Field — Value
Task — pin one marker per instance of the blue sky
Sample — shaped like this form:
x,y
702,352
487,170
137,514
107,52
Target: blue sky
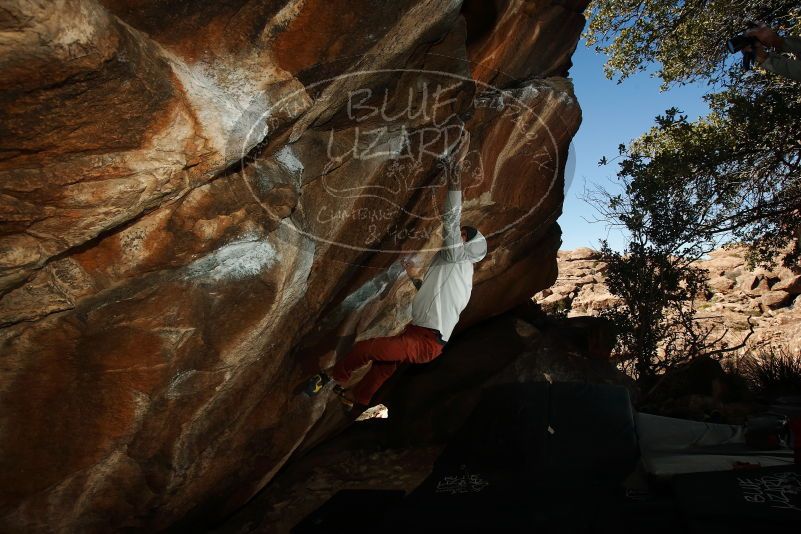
x,y
613,114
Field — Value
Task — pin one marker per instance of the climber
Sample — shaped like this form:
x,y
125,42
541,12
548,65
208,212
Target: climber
x,y
441,296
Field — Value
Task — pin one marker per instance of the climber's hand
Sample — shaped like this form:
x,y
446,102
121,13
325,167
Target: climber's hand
x,y
409,267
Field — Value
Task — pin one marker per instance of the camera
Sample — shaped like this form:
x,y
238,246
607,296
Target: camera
x,y
739,42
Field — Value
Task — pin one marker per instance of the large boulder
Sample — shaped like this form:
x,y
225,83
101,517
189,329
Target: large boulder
x,y
775,299
720,284
197,196
791,285
427,410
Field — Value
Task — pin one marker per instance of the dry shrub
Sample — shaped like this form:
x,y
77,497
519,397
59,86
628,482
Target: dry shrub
x,y
772,372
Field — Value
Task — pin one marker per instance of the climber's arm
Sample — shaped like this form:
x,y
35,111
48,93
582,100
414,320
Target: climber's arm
x,y
452,244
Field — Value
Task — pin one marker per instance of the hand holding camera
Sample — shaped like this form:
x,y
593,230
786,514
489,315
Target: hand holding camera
x,y
752,44
766,36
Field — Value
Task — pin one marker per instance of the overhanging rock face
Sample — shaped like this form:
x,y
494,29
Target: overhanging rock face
x,y
196,196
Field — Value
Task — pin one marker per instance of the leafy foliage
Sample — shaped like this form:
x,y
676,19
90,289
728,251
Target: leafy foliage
x,y
734,174
690,186
684,37
730,176
772,372
653,286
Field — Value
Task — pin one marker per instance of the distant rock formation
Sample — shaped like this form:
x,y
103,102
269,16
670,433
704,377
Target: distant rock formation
x,y
736,295
196,195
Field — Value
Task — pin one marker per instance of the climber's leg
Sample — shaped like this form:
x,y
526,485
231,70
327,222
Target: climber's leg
x,y
415,344
381,348
378,374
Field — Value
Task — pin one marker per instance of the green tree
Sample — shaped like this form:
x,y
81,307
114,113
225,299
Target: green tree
x,y
654,276
734,174
652,286
685,39
690,186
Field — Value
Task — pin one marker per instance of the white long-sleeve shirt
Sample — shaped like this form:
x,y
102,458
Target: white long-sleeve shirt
x,y
448,283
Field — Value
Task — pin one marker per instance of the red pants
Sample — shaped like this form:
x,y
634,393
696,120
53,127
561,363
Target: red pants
x,y
415,345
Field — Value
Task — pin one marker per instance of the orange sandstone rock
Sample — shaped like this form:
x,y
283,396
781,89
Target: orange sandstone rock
x,y
195,196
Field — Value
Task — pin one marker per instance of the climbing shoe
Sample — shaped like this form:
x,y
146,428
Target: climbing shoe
x,y
316,384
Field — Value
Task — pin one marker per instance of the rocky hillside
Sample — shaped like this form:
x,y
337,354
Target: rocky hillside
x,y
735,296
201,200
